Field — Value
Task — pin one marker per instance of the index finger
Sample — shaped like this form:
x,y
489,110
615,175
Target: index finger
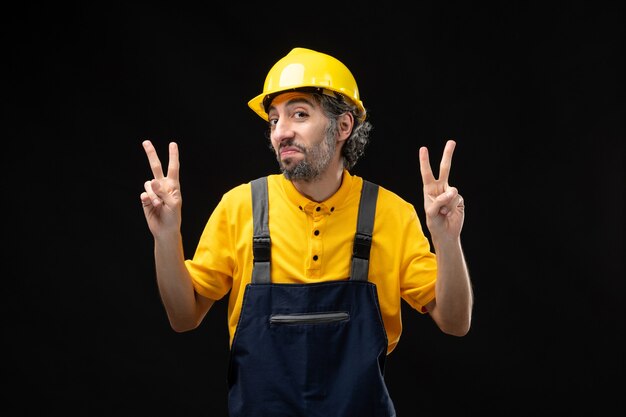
x,y
173,166
153,158
425,169
446,161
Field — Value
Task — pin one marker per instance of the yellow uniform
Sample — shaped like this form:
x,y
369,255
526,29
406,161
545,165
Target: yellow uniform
x,y
312,242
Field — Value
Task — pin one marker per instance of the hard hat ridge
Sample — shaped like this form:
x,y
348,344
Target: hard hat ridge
x,y
309,70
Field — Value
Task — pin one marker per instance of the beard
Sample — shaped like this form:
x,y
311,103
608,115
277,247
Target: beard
x,y
316,160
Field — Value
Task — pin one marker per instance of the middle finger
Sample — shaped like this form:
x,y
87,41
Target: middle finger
x,y
153,158
446,161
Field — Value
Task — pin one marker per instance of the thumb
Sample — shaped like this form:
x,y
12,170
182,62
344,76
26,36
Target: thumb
x,y
158,191
442,203
156,186
448,196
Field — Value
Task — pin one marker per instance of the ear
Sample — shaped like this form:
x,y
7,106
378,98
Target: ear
x,y
345,124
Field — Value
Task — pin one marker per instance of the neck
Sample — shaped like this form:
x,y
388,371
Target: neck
x,y
325,186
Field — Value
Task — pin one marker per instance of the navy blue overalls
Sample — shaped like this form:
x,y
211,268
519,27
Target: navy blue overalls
x,y
308,350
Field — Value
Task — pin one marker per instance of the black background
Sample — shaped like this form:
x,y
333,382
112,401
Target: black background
x,y
531,92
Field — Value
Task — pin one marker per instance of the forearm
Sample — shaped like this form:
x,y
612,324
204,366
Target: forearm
x,y
175,284
453,290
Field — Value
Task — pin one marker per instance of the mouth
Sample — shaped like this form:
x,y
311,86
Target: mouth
x,y
288,151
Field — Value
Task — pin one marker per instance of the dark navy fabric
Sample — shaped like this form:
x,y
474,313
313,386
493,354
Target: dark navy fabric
x,y
308,370
309,350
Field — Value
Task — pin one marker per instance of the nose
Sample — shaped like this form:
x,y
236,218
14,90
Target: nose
x,y
282,131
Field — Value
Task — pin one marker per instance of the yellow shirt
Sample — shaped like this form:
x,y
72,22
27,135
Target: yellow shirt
x,y
312,242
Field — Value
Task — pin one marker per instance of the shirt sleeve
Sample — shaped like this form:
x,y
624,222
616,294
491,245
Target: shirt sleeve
x,y
419,266
213,262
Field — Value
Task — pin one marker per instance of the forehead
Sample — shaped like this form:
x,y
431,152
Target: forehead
x,y
293,97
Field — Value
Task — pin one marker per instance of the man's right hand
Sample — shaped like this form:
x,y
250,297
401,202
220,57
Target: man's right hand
x,y
162,200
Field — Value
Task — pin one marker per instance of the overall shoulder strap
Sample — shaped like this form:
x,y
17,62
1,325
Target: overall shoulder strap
x,y
364,229
261,245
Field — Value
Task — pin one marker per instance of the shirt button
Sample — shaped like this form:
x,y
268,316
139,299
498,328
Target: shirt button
x,y
315,257
316,233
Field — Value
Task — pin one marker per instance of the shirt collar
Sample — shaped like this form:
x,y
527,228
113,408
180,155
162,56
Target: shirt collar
x,y
329,205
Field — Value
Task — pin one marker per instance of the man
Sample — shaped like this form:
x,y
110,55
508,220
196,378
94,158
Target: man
x,y
315,261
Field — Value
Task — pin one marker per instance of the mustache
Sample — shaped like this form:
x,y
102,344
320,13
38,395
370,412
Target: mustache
x,y
292,144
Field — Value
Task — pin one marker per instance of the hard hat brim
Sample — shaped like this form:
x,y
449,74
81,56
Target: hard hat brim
x,y
257,103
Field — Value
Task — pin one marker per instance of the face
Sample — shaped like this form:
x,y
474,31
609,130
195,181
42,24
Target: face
x,y
300,138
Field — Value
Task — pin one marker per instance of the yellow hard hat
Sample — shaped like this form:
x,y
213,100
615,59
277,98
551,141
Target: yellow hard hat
x,y
303,67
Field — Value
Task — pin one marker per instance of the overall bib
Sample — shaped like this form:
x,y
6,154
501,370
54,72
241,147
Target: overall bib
x,y
308,350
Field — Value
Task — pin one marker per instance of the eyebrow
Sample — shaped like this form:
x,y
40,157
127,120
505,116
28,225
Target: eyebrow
x,y
296,100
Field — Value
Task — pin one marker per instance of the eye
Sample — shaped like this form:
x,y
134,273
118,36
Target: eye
x,y
272,121
300,114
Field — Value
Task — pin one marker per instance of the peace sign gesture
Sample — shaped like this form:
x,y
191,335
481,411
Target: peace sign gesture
x,y
162,200
444,206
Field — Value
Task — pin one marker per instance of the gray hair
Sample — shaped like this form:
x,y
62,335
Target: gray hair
x,y
355,145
